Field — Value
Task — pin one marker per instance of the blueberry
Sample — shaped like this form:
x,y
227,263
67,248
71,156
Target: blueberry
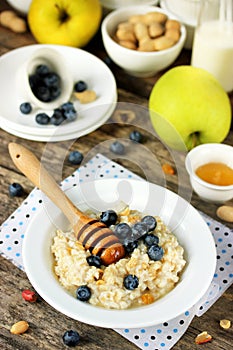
x,y
136,136
71,338
94,260
123,231
69,111
139,230
42,118
155,252
75,157
43,93
131,282
80,86
52,80
55,91
117,147
150,221
25,108
83,293
151,239
108,217
57,118
130,246
15,190
35,81
42,69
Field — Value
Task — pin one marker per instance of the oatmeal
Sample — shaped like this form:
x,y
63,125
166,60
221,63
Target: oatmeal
x,y
151,268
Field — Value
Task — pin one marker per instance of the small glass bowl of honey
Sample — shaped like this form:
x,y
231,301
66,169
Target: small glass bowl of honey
x,y
210,167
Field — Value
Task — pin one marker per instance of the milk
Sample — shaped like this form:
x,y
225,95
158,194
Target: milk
x,y
213,51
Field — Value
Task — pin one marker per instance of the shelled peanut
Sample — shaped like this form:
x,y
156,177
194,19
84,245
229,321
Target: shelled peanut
x,y
152,31
11,20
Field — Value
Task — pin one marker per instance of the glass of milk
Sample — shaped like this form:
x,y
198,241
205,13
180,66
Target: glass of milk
x,y
213,41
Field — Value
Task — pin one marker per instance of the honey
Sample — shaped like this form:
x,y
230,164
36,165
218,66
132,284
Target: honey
x,y
215,173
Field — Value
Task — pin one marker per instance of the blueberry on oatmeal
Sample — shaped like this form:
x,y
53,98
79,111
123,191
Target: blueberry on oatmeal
x,y
131,282
94,260
123,231
150,221
83,293
155,252
108,217
150,239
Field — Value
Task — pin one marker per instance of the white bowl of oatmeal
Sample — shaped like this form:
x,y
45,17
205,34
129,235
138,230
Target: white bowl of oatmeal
x,y
56,264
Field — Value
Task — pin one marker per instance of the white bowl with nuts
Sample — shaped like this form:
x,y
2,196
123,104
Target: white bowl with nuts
x,y
142,40
210,167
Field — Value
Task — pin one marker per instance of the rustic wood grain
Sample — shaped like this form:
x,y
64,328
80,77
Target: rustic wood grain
x,y
46,324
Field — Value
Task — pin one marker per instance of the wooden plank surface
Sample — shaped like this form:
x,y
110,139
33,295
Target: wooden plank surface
x,y
47,325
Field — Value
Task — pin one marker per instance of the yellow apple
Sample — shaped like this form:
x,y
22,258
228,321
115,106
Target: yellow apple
x,y
64,22
189,107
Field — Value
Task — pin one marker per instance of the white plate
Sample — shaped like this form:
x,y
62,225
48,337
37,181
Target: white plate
x,y
69,136
191,230
83,66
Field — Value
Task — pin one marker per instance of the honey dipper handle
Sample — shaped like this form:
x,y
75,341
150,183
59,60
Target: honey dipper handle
x,y
31,167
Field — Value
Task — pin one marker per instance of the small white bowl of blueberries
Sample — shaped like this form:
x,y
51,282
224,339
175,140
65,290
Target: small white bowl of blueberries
x,y
46,85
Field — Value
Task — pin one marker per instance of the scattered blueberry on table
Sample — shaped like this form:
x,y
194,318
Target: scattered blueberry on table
x,y
136,136
117,147
15,189
71,338
75,157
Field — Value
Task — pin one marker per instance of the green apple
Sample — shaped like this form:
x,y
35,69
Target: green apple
x,y
188,107
64,22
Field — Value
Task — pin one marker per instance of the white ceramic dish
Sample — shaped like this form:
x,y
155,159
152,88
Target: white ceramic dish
x,y
99,120
191,230
20,5
206,153
189,25
138,63
83,66
114,4
186,9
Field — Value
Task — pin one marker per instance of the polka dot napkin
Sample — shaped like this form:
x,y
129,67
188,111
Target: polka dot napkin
x,y
162,336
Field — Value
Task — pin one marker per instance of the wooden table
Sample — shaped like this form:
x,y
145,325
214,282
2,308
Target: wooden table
x,y
46,324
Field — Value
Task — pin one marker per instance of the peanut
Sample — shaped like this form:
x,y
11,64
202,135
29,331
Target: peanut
x,y
172,24
151,17
173,34
10,20
155,30
225,213
225,324
124,34
136,18
128,44
141,31
146,45
19,327
86,96
152,31
162,43
18,25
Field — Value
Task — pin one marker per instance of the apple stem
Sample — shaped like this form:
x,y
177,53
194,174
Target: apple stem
x,y
63,16
194,139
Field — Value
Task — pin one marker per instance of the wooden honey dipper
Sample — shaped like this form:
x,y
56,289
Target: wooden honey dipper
x,y
93,234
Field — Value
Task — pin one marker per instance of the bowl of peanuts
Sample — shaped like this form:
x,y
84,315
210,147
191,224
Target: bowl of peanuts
x,y
142,40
